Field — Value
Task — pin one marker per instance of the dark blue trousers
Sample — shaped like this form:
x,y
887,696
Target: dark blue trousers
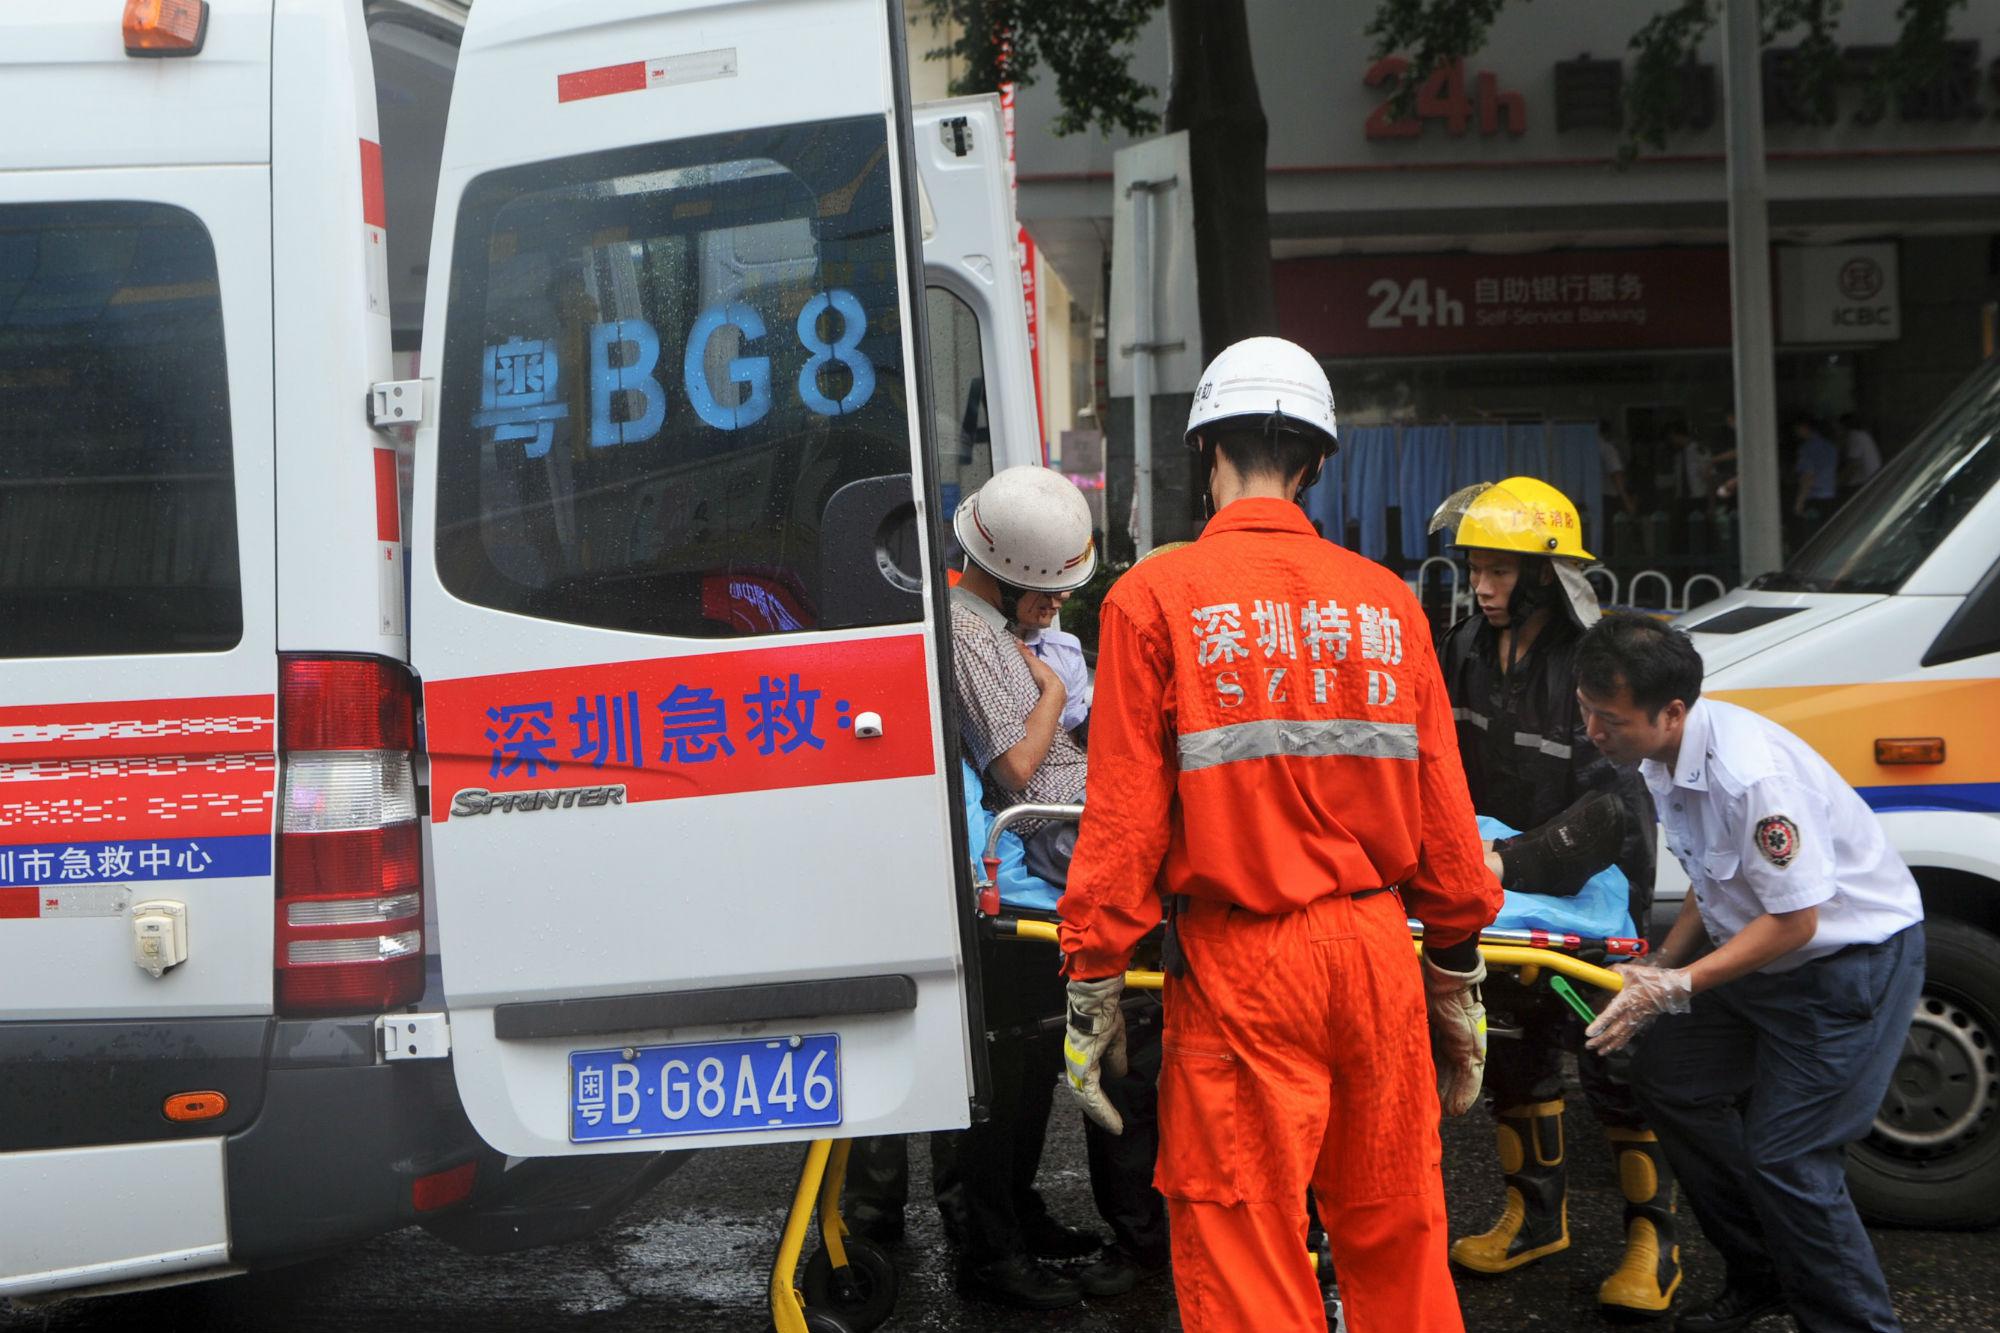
x,y
1756,1094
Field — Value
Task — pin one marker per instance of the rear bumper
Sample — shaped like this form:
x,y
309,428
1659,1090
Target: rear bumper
x,y
334,1155
320,1147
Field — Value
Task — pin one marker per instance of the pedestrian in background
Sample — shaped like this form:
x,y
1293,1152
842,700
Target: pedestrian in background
x,y
1818,471
1860,456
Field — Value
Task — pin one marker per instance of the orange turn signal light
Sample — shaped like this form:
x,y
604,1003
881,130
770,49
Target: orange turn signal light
x,y
1910,750
165,27
184,1106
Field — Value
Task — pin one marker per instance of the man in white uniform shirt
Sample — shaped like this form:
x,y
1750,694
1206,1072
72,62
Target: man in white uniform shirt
x,y
1782,994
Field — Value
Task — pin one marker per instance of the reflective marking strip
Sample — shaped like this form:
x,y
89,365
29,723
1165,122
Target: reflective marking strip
x,y
1528,740
388,524
1479,720
1272,738
374,208
601,82
663,72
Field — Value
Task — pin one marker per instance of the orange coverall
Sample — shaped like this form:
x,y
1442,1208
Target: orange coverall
x,y
1271,738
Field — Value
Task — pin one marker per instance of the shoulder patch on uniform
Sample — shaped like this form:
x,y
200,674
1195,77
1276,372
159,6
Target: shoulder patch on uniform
x,y
1778,839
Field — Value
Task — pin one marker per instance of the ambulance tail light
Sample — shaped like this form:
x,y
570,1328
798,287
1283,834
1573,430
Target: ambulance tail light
x,y
350,918
165,27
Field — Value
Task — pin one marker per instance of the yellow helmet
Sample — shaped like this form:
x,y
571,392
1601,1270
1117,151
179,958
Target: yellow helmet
x,y
1520,514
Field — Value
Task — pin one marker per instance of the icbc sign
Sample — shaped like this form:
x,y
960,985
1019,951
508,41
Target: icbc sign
x,y
1838,294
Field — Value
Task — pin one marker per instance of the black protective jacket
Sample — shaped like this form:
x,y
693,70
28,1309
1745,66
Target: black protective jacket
x,y
1522,741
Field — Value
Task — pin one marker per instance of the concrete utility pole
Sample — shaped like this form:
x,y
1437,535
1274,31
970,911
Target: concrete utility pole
x,y
1760,532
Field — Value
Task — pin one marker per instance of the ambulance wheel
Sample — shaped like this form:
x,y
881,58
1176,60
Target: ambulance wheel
x,y
1933,1156
863,1294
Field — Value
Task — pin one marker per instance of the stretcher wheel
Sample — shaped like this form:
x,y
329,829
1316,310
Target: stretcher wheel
x,y
863,1294
818,1321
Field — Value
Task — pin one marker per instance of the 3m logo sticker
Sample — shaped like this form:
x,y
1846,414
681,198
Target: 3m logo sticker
x,y
1777,839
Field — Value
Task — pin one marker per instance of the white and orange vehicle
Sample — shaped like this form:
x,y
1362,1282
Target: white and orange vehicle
x,y
1879,644
469,685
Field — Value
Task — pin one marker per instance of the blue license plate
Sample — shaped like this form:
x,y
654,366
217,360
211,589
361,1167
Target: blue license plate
x,y
711,1087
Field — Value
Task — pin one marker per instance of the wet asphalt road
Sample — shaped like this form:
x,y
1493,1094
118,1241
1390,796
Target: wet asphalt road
x,y
692,1257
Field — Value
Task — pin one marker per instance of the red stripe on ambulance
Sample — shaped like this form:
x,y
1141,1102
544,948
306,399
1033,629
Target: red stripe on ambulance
x,y
20,904
601,82
710,724
226,724
388,525
374,211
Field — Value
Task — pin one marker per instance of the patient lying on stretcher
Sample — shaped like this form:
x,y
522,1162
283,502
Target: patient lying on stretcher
x,y
1561,855
1562,875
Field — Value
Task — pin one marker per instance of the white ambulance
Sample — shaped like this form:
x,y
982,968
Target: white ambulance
x,y
592,799
1879,644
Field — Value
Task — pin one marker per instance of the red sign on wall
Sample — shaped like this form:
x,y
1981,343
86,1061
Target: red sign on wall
x,y
1569,301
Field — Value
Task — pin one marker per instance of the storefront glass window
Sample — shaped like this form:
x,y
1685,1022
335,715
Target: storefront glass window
x,y
1877,541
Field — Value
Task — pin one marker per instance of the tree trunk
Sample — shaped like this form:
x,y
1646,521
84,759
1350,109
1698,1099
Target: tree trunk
x,y
1214,98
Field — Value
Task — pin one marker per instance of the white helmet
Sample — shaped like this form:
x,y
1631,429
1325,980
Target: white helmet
x,y
1029,528
1260,379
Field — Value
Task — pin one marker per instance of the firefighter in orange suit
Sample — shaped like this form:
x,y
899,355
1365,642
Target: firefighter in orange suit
x,y
1273,764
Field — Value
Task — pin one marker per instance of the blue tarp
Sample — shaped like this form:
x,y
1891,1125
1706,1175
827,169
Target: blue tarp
x,y
1526,449
1601,909
1368,484
1479,453
1425,480
1578,472
1019,891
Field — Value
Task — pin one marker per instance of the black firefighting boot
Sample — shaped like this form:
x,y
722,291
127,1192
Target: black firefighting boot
x,y
1535,1220
1645,1281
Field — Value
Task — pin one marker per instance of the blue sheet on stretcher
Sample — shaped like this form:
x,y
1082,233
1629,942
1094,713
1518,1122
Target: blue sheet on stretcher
x,y
1602,908
1019,891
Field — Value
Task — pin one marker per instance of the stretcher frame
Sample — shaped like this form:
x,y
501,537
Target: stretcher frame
x,y
1527,953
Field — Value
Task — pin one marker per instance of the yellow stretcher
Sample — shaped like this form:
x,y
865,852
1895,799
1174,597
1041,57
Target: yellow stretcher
x,y
850,1284
1529,961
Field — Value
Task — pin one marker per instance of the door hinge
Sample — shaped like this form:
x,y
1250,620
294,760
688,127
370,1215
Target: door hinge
x,y
957,135
395,403
413,1036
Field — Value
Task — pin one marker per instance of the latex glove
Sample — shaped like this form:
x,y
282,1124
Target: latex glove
x,y
1093,1041
1649,992
1458,1033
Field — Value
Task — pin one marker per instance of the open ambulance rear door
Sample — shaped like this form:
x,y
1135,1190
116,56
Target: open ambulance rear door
x,y
675,595
982,367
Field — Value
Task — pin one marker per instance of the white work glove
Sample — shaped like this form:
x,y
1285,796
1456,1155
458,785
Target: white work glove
x,y
1649,991
1458,1033
1094,1040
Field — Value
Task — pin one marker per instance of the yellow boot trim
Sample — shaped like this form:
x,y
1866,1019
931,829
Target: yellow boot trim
x,y
1487,1252
1631,1136
1636,1283
1513,1153
1638,1178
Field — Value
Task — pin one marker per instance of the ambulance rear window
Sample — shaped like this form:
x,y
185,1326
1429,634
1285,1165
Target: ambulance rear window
x,y
663,364
117,490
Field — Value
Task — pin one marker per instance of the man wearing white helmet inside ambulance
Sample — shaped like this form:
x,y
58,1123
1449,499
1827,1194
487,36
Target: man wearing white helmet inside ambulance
x,y
1273,752
1509,668
1025,533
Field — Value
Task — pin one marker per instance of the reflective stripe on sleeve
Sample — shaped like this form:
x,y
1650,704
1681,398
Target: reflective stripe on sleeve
x,y
1475,717
1528,740
1272,738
